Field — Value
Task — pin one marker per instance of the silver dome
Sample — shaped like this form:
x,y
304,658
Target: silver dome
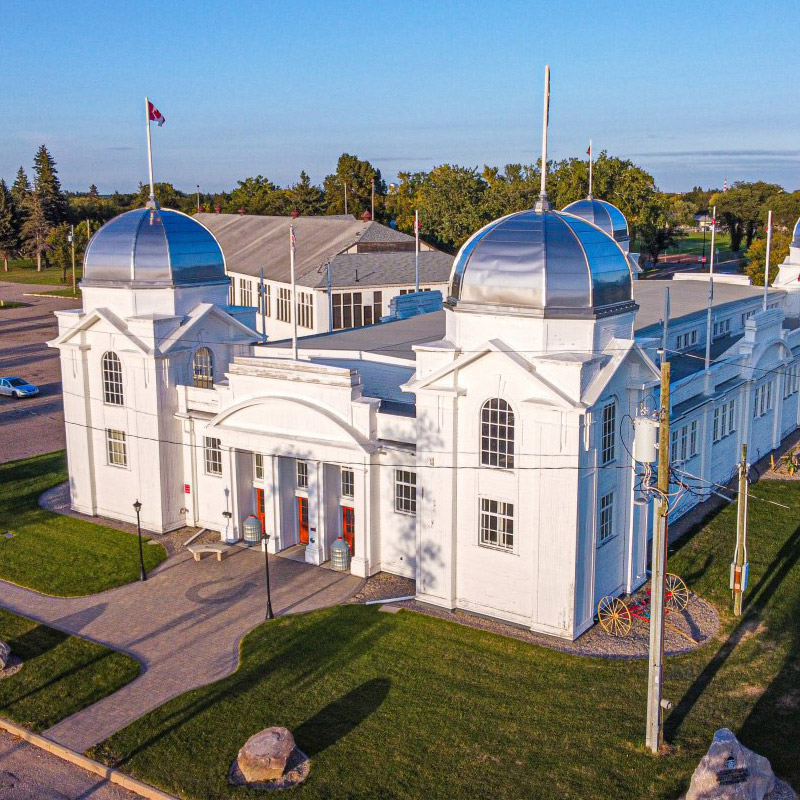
x,y
796,235
548,264
603,214
157,248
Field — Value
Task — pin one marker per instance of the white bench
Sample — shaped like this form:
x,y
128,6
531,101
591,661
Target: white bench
x,y
200,550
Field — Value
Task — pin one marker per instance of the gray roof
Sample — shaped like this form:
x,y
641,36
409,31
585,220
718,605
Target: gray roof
x,y
251,243
384,269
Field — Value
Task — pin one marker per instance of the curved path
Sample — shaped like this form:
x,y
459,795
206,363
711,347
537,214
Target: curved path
x,y
183,624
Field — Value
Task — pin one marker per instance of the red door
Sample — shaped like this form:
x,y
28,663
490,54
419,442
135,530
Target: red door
x,y
302,518
349,527
260,508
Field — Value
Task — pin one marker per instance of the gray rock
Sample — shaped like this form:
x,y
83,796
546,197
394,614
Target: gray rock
x,y
264,756
5,654
729,771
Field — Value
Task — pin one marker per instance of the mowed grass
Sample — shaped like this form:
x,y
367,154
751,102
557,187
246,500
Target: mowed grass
x,y
407,706
60,675
53,553
23,270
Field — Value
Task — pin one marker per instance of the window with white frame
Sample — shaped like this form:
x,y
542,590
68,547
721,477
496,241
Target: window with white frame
x,y
348,482
605,523
497,524
722,327
374,312
791,380
245,292
116,448
203,368
684,340
258,466
348,310
746,316
112,380
607,433
305,309
763,399
302,475
724,420
213,455
683,442
284,304
264,299
497,434
405,491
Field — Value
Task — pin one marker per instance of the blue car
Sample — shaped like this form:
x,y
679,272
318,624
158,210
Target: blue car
x,y
16,387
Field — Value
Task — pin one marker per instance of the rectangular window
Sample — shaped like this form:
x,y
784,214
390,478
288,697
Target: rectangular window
x,y
607,435
497,524
605,528
683,442
258,466
348,483
302,475
377,306
722,327
245,292
213,456
305,309
116,448
405,491
693,439
284,304
348,311
724,420
763,399
264,299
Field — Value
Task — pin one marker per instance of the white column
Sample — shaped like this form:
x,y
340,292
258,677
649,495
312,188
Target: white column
x,y
360,563
272,503
315,551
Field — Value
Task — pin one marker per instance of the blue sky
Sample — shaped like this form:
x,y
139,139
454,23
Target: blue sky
x,y
694,92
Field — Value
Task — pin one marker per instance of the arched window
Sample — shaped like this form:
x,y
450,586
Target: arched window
x,y
112,380
497,434
203,368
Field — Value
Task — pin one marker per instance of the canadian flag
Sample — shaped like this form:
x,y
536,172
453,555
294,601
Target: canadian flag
x,y
154,115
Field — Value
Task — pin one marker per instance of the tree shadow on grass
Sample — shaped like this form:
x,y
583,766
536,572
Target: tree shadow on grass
x,y
759,597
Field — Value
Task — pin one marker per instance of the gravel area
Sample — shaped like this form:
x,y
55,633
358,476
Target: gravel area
x,y
383,586
57,499
699,620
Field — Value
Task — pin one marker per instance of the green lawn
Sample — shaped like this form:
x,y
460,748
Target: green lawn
x,y
407,706
61,674
56,554
23,270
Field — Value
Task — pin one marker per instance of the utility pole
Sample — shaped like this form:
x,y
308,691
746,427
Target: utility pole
x,y
655,704
345,198
372,201
72,243
739,568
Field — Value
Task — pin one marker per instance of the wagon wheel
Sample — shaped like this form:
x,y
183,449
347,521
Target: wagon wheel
x,y
677,593
614,616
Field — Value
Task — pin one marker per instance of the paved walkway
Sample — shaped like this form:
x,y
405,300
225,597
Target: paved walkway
x,y
184,625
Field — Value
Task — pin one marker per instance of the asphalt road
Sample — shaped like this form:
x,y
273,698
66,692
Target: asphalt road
x,y
34,425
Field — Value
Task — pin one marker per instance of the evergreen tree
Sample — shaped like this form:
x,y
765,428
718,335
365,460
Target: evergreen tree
x,y
305,197
35,228
93,191
9,225
20,191
48,187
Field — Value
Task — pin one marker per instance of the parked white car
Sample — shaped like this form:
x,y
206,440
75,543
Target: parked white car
x,y
16,387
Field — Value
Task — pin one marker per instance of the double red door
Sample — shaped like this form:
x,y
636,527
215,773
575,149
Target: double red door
x,y
302,519
349,527
260,508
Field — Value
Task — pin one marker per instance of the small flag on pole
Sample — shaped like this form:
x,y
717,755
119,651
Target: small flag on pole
x,y
155,115
589,150
294,238
416,223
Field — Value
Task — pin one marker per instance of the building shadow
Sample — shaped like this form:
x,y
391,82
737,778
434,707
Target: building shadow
x,y
342,716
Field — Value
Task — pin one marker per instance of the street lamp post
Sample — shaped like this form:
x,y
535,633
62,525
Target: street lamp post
x,y
137,506
265,540
704,245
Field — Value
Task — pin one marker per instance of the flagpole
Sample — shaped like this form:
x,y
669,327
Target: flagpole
x,y
709,326
151,203
590,169
416,250
766,265
294,291
543,205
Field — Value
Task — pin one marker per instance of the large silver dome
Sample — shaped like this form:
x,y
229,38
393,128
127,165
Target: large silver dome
x,y
547,264
603,214
796,235
158,248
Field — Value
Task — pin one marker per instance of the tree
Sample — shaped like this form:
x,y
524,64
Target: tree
x,y
401,200
48,188
9,225
658,230
756,256
305,197
450,202
35,228
785,208
167,196
60,247
258,196
740,209
358,175
21,188
514,189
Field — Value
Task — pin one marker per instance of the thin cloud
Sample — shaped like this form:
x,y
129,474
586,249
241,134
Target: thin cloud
x,y
720,154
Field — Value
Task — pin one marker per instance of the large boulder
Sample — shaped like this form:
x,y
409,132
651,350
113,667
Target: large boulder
x,y
729,771
5,654
264,756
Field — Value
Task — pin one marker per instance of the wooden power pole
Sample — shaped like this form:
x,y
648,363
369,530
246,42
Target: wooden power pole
x,y
654,733
739,566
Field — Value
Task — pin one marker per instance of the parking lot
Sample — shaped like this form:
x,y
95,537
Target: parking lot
x,y
32,425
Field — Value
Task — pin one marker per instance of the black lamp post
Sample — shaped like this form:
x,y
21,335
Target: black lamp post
x,y
137,506
704,245
265,540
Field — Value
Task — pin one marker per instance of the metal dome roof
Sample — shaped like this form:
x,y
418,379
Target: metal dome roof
x,y
549,264
155,248
796,235
603,214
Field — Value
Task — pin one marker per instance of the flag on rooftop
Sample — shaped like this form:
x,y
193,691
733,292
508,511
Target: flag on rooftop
x,y
294,238
155,115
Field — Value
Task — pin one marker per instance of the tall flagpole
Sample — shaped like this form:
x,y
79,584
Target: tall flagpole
x,y
294,290
543,204
152,201
709,326
766,265
416,250
590,169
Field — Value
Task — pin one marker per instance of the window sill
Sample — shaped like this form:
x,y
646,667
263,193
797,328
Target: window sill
x,y
497,548
117,466
405,513
607,541
213,474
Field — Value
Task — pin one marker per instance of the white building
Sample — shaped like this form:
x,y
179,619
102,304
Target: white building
x,y
482,449
347,270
